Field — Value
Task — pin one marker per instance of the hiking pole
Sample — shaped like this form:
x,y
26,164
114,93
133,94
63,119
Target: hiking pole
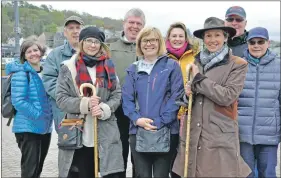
x,y
96,161
189,79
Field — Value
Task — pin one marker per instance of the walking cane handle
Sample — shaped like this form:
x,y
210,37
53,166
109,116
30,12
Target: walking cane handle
x,y
96,161
87,85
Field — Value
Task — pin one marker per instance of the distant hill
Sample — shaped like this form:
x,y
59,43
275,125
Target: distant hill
x,y
36,20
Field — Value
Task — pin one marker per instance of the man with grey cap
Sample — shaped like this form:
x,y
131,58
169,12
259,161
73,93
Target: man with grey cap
x,y
259,106
72,28
123,54
235,17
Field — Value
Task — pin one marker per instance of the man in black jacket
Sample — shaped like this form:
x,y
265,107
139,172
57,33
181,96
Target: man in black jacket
x,y
235,17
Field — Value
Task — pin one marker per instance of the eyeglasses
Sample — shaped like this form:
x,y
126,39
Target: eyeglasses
x,y
259,42
151,41
231,19
92,41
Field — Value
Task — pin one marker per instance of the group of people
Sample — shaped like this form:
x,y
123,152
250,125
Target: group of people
x,y
142,93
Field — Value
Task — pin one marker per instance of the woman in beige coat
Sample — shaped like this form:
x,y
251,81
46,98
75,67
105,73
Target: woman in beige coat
x,y
218,80
91,64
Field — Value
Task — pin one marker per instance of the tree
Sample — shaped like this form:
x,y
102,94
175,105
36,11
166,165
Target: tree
x,y
99,23
45,8
21,3
7,27
51,8
34,20
57,17
51,28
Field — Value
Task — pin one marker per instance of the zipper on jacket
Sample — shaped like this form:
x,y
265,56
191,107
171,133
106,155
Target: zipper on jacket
x,y
154,81
147,96
255,105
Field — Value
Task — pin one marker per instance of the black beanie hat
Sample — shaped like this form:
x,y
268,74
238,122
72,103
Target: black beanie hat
x,y
93,32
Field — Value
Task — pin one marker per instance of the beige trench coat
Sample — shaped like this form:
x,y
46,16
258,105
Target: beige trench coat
x,y
214,141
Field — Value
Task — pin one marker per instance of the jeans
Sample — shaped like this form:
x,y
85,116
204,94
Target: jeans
x,y
265,157
34,149
157,164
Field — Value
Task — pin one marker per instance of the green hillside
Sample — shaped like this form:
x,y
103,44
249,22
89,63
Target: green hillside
x,y
35,20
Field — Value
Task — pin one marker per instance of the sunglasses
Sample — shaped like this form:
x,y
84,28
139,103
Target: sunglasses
x,y
259,42
231,19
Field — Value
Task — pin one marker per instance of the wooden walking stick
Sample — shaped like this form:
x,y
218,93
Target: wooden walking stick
x,y
92,87
188,69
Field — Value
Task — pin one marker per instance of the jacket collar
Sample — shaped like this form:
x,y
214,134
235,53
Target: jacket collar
x,y
67,49
264,60
17,66
239,40
224,61
133,67
123,39
186,53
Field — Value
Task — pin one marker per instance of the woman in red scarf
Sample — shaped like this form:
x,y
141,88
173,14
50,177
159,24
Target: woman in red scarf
x,y
183,49
91,64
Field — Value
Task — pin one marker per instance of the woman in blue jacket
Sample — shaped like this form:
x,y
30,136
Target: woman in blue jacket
x,y
33,119
259,106
151,87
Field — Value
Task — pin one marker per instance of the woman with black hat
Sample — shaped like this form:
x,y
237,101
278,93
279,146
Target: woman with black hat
x,y
91,64
218,80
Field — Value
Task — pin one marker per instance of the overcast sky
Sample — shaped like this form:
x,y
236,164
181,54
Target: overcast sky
x,y
162,13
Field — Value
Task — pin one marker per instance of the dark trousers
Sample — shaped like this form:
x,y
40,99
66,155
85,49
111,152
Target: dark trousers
x,y
157,163
264,155
83,159
123,123
34,149
174,175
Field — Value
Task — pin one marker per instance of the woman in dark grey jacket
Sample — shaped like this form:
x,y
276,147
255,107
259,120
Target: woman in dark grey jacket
x,y
91,65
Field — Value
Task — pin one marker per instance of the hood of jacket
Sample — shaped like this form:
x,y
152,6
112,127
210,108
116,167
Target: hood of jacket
x,y
13,67
66,49
122,38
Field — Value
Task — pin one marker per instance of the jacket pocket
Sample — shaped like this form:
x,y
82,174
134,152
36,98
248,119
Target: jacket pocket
x,y
223,132
222,123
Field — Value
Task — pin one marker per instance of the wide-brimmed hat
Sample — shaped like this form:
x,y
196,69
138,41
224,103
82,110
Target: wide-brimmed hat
x,y
214,23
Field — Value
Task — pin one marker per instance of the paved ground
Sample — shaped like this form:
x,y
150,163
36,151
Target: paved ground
x,y
11,156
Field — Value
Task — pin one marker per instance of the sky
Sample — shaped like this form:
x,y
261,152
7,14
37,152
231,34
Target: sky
x,y
161,14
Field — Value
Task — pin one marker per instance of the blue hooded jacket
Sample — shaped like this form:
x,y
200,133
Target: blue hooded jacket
x,y
33,109
156,94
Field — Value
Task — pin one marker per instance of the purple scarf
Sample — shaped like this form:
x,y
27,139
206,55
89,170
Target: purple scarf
x,y
178,52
